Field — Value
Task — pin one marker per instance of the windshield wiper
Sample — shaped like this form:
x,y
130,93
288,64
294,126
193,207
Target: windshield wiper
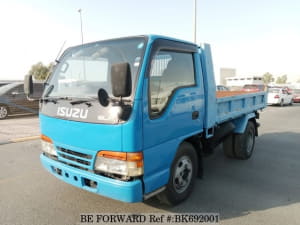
x,y
87,102
54,99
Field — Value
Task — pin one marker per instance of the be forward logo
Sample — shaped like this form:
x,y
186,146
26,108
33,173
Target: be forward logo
x,y
72,112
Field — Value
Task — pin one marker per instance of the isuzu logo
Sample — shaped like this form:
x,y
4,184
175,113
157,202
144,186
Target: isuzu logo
x,y
72,112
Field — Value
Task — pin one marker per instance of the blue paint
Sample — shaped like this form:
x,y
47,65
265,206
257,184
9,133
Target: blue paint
x,y
82,136
209,87
236,106
119,190
241,123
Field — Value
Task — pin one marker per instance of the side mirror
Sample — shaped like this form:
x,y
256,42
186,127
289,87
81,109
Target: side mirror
x,y
121,80
28,85
103,97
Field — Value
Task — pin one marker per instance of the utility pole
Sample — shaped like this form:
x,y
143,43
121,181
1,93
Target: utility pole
x,y
195,21
83,61
79,10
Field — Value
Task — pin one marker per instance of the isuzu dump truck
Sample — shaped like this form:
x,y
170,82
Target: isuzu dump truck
x,y
131,118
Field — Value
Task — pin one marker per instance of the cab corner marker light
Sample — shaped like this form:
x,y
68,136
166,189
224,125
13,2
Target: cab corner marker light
x,y
136,157
45,138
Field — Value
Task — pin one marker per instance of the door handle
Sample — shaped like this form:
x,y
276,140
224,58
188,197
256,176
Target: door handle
x,y
195,115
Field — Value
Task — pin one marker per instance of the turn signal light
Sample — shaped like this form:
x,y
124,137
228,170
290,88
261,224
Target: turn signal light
x,y
45,138
136,157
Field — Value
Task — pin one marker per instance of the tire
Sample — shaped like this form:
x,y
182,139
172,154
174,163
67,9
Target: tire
x,y
228,147
244,143
182,175
3,112
291,103
281,103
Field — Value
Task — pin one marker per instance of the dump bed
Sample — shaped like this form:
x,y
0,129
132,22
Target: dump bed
x,y
233,104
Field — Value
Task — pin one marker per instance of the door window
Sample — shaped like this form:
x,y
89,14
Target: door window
x,y
169,71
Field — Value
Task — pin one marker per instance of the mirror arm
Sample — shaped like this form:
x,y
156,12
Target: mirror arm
x,y
31,99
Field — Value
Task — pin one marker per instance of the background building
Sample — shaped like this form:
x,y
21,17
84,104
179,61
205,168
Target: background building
x,y
240,81
225,73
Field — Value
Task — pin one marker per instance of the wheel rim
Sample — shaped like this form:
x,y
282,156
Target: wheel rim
x,y
3,112
183,174
250,142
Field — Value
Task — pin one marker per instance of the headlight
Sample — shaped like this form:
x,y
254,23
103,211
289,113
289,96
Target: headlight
x,y
122,163
47,146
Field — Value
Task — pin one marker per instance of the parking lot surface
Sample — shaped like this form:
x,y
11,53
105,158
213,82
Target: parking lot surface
x,y
262,190
19,127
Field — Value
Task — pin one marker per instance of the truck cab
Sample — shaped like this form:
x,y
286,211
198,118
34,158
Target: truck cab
x,y
128,118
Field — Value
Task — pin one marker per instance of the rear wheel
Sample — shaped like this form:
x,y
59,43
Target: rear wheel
x,y
228,147
281,103
3,112
182,175
244,143
240,146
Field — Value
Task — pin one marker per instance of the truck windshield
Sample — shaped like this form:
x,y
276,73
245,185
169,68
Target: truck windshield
x,y
84,69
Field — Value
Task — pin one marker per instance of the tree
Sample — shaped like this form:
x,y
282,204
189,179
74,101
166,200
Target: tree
x,y
281,79
268,78
39,71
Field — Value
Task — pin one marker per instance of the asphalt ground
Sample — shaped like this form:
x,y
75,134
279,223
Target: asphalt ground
x,y
262,190
19,128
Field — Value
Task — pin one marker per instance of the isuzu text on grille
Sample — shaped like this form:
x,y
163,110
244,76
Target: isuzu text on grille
x,y
72,112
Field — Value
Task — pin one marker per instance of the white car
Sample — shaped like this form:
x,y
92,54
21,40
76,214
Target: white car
x,y
279,96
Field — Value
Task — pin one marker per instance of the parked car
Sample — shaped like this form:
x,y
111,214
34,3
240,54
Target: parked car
x,y
279,96
296,95
3,83
222,88
13,100
254,87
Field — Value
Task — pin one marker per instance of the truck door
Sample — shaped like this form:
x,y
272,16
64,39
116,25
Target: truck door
x,y
173,108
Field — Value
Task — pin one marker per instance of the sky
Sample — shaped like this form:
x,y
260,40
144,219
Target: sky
x,y
254,37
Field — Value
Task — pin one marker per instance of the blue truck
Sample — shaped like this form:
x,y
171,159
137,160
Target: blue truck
x,y
131,118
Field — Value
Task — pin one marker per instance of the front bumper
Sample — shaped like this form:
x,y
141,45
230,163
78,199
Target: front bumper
x,y
130,191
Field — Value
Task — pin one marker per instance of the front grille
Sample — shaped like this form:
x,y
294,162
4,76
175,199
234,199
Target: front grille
x,y
74,158
79,154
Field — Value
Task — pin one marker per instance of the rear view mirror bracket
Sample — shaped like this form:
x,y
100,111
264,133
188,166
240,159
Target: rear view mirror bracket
x,y
28,88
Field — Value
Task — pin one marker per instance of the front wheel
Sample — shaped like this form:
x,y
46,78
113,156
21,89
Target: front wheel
x,y
182,175
3,112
